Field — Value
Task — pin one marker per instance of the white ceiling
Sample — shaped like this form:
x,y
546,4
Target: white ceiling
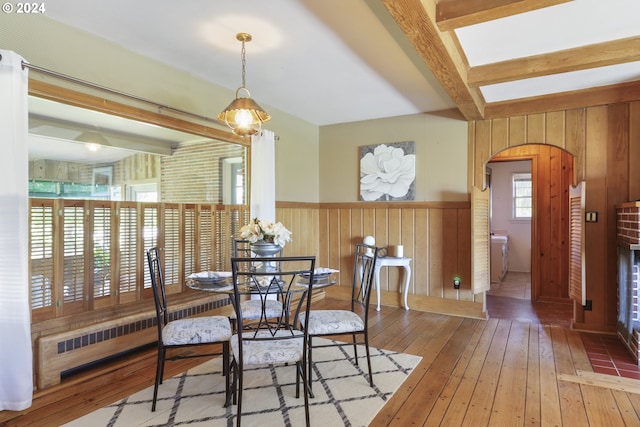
x,y
334,61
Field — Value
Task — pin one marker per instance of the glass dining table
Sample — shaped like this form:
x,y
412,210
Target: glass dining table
x,y
222,283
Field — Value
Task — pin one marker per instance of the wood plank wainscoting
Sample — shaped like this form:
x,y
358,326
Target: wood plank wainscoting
x,y
603,141
436,235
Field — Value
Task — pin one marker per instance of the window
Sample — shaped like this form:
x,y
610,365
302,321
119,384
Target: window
x,y
522,196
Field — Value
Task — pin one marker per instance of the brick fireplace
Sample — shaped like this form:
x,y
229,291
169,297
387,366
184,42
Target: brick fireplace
x,y
628,243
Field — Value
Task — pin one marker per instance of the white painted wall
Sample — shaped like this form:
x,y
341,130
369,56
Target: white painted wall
x,y
519,231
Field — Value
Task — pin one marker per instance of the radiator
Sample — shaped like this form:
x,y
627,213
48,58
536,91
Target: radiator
x,y
57,353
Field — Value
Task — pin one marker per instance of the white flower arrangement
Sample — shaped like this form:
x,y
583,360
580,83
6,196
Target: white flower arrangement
x,y
267,231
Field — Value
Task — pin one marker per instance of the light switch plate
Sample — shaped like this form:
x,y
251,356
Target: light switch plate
x,y
591,216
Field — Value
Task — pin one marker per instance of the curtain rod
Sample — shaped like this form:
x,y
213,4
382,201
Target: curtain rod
x,y
114,91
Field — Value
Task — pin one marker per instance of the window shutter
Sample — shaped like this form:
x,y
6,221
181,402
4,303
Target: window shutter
x,y
149,237
73,223
576,248
41,256
128,250
171,234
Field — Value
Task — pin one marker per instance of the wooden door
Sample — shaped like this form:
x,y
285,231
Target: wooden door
x,y
552,172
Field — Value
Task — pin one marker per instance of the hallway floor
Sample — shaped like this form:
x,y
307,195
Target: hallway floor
x,y
511,299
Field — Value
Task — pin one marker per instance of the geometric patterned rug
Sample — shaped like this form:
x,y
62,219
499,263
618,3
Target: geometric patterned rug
x,y
195,398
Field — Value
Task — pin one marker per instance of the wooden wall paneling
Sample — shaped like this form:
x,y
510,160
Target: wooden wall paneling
x,y
565,257
382,240
464,254
499,135
436,248
357,232
543,212
394,275
346,243
309,223
554,129
595,233
558,286
574,137
634,150
298,217
535,128
482,150
449,246
535,226
517,130
408,241
323,240
617,192
369,223
422,252
333,237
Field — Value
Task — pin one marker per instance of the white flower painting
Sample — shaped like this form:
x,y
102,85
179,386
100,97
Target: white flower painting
x,y
388,171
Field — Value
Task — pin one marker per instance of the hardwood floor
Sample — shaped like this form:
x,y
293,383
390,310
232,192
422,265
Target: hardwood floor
x,y
498,372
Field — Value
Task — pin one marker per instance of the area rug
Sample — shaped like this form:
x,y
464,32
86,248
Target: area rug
x,y
195,398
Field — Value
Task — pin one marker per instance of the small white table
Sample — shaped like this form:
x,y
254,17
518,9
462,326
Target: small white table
x,y
394,262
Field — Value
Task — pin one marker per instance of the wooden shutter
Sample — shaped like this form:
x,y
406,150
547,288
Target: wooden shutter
x,y
171,244
41,255
150,233
205,236
73,262
190,251
577,280
480,231
100,277
128,250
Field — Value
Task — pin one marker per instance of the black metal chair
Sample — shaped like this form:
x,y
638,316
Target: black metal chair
x,y
184,332
270,340
252,308
353,322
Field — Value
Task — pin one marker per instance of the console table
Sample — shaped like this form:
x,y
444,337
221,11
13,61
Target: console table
x,y
394,262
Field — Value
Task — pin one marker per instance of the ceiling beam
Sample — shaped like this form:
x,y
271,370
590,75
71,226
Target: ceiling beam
x,y
452,14
440,51
580,58
604,95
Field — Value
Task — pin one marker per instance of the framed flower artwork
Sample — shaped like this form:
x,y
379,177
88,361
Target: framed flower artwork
x,y
388,171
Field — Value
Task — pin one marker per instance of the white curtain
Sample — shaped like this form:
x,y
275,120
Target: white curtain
x,y
16,368
263,176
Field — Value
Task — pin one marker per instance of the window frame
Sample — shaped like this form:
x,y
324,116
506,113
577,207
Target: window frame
x,y
515,178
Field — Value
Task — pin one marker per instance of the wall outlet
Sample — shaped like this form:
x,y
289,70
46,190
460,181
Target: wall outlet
x,y
591,216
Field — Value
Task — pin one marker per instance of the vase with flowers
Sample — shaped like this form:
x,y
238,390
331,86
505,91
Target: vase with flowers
x,y
267,238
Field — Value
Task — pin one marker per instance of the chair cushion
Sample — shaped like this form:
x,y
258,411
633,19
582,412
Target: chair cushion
x,y
270,351
252,309
196,330
327,322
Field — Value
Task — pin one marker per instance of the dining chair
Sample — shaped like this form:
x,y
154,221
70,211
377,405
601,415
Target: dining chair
x,y
353,322
269,341
184,332
253,308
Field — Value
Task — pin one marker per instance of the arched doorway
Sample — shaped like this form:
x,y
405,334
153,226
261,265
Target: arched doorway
x,y
552,177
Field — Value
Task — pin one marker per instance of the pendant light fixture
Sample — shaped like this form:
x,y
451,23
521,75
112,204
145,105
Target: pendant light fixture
x,y
244,116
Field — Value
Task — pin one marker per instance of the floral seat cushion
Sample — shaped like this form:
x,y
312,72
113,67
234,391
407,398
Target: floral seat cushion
x,y
196,330
269,351
326,322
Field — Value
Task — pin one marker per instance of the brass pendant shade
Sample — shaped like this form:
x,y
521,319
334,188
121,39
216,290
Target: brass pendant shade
x,y
244,116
